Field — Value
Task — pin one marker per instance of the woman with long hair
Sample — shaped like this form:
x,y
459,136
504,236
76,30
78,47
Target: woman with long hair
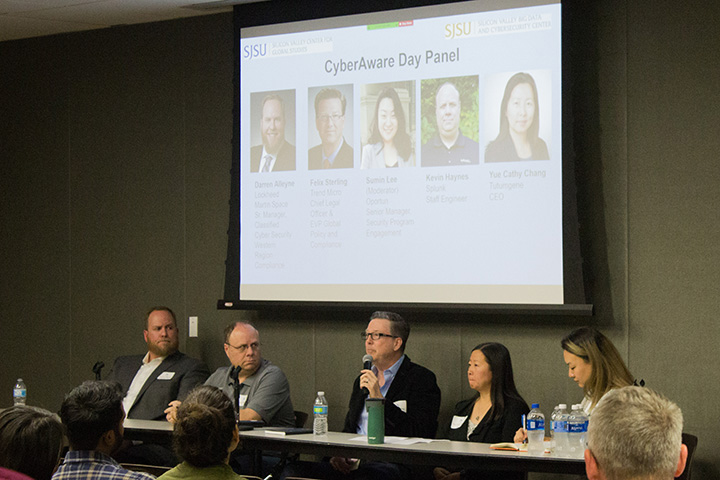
x,y
493,413
519,124
389,144
594,364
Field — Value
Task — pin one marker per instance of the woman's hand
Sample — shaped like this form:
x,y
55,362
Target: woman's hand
x,y
520,435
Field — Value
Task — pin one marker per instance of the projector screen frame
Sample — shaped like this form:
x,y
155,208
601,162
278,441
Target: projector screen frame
x,y
574,283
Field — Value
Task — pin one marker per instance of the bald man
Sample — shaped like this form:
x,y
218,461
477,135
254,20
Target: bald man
x,y
258,389
449,147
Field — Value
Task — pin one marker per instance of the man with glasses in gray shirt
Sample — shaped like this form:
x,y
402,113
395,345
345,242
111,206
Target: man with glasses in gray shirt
x,y
258,389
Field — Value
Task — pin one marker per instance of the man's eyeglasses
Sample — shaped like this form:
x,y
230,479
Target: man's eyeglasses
x,y
326,118
375,335
242,348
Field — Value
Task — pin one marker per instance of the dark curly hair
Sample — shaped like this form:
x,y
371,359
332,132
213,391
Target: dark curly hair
x,y
90,410
204,427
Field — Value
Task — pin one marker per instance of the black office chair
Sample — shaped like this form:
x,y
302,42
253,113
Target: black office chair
x,y
300,418
285,457
691,442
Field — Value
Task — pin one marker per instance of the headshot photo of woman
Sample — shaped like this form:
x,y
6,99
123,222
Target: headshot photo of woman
x,y
389,144
518,138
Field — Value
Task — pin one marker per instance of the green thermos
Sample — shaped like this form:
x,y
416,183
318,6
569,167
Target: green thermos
x,y
376,420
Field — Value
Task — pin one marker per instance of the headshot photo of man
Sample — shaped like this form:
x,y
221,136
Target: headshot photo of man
x,y
444,102
275,153
331,117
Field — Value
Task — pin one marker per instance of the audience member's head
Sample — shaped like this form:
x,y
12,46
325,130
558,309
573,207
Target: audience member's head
x,y
205,430
31,440
635,433
93,415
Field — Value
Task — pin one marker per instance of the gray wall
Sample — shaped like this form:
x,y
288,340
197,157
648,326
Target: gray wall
x,y
114,184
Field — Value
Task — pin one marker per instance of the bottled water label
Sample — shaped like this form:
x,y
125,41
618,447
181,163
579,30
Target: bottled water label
x,y
320,409
19,392
575,427
559,426
536,424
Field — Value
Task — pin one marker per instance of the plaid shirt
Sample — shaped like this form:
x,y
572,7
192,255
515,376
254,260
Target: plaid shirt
x,y
93,465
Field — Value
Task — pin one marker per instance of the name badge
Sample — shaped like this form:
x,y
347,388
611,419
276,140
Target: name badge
x,y
241,401
457,422
402,405
166,375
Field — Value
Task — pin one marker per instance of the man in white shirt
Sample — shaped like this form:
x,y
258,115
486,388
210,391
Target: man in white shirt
x,y
151,381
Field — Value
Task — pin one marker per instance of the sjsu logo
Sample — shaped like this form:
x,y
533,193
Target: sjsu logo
x,y
254,51
454,30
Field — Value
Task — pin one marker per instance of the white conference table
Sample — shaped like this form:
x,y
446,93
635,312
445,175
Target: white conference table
x,y
436,453
155,431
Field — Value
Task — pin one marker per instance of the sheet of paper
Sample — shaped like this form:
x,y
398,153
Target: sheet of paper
x,y
395,440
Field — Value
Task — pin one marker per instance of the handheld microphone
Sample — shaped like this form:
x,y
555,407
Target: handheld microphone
x,y
367,362
367,365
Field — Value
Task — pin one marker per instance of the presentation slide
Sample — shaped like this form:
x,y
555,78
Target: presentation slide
x,y
408,156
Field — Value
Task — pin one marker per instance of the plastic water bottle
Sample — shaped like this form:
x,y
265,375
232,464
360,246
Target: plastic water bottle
x,y
19,392
536,430
320,415
551,432
559,429
577,432
572,426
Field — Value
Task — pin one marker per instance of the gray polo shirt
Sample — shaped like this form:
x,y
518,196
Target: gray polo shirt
x,y
267,392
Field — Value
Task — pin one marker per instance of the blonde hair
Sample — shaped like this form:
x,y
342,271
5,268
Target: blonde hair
x,y
608,369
